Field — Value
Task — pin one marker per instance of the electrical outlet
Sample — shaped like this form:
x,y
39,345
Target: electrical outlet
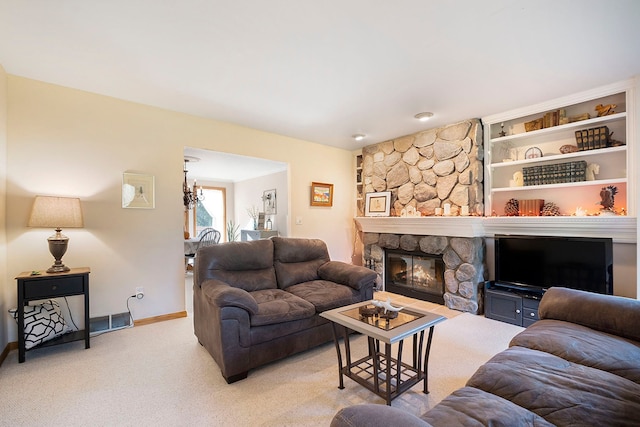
x,y
139,292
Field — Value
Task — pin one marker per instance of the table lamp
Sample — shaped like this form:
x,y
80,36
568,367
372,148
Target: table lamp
x,y
56,212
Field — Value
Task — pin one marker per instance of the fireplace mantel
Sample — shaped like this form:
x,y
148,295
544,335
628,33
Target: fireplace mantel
x,y
470,226
621,229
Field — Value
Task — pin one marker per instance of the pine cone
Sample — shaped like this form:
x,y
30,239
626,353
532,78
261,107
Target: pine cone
x,y
511,208
550,209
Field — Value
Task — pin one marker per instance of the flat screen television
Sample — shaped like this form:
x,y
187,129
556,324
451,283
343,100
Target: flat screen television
x,y
572,262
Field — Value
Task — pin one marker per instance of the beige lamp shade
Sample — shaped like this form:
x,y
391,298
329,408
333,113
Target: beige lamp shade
x,y
56,212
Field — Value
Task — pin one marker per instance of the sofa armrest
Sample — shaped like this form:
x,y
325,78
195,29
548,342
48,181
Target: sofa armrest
x,y
606,313
222,295
370,415
340,272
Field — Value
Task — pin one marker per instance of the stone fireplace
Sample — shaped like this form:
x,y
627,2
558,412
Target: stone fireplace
x,y
425,171
463,270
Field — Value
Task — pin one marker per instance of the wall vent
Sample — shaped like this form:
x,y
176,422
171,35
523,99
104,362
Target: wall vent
x,y
111,322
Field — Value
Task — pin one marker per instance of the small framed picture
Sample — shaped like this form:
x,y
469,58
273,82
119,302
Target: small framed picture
x,y
138,191
321,194
270,203
378,204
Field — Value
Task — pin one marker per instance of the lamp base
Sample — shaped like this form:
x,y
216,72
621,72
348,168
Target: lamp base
x,y
58,269
58,246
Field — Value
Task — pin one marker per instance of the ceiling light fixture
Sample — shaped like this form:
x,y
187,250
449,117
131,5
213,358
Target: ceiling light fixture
x,y
190,197
359,136
423,117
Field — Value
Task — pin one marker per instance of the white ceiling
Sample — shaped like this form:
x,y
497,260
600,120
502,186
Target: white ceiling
x,y
224,167
324,70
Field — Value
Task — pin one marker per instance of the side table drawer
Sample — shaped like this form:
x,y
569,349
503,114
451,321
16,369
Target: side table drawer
x,y
53,287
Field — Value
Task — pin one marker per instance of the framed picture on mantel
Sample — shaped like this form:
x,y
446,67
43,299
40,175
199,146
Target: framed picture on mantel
x,y
378,204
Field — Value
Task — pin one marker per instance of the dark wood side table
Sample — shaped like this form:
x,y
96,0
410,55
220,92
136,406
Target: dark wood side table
x,y
43,286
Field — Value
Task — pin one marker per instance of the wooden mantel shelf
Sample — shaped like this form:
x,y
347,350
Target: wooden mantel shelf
x,y
622,229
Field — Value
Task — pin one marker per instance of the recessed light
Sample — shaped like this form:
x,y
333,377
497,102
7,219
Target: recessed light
x,y
359,136
423,117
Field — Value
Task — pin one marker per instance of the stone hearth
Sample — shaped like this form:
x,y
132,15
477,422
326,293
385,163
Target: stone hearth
x,y
463,257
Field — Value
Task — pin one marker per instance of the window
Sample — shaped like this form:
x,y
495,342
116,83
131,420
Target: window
x,y
210,211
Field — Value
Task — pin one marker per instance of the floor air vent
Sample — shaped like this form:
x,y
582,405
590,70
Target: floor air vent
x,y
112,322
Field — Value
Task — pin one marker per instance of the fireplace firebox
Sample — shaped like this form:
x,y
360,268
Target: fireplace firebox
x,y
415,274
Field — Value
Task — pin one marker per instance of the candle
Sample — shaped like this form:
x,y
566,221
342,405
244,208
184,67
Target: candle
x,y
438,211
447,209
465,211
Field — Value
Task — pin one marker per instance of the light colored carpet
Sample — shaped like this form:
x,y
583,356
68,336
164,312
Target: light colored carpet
x,y
158,375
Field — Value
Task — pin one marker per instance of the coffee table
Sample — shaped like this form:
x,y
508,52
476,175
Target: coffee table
x,y
381,372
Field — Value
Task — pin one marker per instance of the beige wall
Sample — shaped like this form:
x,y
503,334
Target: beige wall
x,y
5,319
248,193
72,143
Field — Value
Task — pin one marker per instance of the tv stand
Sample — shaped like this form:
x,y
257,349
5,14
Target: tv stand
x,y
513,303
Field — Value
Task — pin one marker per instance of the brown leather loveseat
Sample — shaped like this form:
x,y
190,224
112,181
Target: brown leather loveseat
x,y
259,301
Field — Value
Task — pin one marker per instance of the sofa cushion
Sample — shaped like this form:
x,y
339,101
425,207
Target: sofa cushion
x,y
325,295
583,345
562,392
277,306
298,260
372,415
244,265
470,406
593,311
347,274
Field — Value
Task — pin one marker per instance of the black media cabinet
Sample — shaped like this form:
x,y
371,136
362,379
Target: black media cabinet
x,y
512,302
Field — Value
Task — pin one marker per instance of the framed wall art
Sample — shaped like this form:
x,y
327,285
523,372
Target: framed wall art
x,y
138,191
378,204
321,194
270,202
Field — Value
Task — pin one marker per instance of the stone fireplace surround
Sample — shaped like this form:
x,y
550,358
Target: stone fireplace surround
x,y
463,258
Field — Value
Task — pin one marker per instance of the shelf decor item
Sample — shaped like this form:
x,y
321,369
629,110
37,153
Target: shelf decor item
x,y
533,153
511,208
607,199
605,110
550,209
559,173
531,207
533,125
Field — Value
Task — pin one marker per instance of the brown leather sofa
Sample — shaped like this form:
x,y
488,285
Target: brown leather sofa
x,y
578,366
259,301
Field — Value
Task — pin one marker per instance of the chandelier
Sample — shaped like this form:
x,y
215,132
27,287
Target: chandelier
x,y
190,197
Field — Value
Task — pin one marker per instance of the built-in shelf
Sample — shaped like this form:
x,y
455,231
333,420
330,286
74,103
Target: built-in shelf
x,y
541,133
505,161
553,158
563,185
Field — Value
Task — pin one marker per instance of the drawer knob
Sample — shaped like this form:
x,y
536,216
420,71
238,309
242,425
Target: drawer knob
x,y
518,311
532,314
54,287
